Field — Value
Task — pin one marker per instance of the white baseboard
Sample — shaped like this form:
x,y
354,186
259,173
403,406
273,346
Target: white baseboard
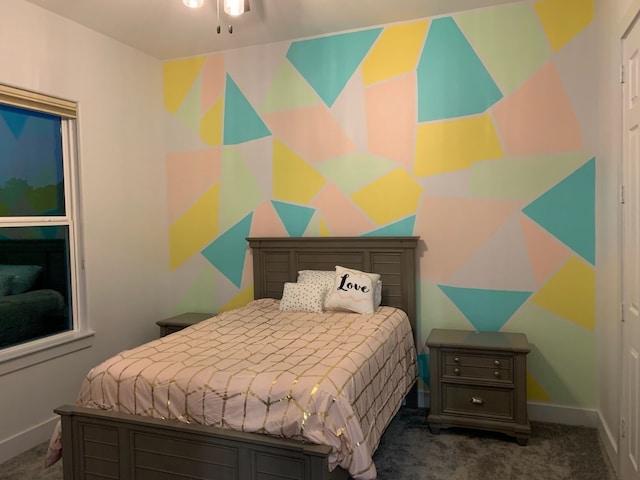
x,y
544,412
23,441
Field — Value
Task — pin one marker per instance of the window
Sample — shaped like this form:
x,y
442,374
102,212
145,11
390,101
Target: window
x,y
38,235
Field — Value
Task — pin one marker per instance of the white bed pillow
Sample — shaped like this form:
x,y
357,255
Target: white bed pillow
x,y
302,297
328,277
320,277
353,290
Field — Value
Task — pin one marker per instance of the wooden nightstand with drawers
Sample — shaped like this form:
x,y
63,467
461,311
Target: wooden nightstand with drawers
x,y
479,380
184,320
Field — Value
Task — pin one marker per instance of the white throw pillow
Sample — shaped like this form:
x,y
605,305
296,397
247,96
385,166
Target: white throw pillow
x,y
353,290
302,297
320,277
327,278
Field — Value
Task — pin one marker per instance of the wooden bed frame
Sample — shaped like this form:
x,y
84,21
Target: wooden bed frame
x,y
108,445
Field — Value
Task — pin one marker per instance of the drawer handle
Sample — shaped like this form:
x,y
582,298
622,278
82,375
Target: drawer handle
x,y
496,363
496,374
456,371
477,401
456,359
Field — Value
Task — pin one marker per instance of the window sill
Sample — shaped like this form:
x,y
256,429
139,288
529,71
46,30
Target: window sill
x,y
38,351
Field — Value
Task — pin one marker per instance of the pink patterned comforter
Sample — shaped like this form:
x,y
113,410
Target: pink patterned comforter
x,y
331,378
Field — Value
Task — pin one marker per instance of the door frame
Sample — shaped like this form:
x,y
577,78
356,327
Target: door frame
x,y
629,21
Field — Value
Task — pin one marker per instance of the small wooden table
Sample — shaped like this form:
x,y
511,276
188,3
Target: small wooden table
x,y
479,380
178,322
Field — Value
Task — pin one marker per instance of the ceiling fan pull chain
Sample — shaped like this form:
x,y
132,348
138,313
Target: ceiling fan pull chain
x,y
218,14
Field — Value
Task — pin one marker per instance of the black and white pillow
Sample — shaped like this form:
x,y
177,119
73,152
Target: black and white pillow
x,y
302,297
353,290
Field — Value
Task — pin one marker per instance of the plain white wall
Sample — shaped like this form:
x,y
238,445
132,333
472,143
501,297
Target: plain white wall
x,y
123,195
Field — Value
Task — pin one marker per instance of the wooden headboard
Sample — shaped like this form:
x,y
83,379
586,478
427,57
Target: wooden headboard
x,y
278,260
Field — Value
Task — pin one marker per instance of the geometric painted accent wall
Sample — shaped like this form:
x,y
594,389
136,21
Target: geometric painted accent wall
x,y
471,131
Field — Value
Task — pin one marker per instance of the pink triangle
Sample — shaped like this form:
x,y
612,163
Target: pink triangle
x,y
538,118
546,252
340,214
189,176
311,132
453,229
266,222
213,81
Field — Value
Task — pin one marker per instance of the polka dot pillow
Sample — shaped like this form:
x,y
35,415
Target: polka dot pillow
x,y
302,297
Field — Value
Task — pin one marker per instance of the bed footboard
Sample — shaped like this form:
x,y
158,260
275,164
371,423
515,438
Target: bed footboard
x,y
108,445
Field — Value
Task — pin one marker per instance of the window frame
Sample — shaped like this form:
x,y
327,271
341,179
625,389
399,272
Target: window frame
x,y
80,336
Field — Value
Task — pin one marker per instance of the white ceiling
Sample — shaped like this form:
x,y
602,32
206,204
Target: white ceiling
x,y
166,29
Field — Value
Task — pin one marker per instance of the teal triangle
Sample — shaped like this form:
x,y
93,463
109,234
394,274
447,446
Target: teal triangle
x,y
567,211
241,122
227,252
452,81
294,217
327,63
487,310
423,368
399,229
14,118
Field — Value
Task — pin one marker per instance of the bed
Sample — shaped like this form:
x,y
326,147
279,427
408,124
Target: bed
x,y
38,309
105,443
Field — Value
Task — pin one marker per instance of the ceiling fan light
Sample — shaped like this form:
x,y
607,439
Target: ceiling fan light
x,y
233,7
193,3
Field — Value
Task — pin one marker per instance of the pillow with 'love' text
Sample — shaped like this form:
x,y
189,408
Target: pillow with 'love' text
x,y
353,290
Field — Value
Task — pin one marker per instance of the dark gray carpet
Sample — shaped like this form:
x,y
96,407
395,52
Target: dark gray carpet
x,y
408,451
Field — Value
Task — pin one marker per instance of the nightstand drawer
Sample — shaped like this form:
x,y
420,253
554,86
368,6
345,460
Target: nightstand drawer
x,y
482,401
485,367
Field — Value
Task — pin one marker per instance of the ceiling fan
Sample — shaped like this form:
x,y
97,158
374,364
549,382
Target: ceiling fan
x,y
233,8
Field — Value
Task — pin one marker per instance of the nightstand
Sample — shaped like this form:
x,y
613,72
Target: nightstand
x,y
177,323
479,380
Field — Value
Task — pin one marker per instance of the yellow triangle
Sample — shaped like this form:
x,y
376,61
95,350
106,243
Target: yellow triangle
x,y
570,293
240,300
195,229
535,391
294,180
562,20
324,229
211,124
396,52
177,78
390,198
